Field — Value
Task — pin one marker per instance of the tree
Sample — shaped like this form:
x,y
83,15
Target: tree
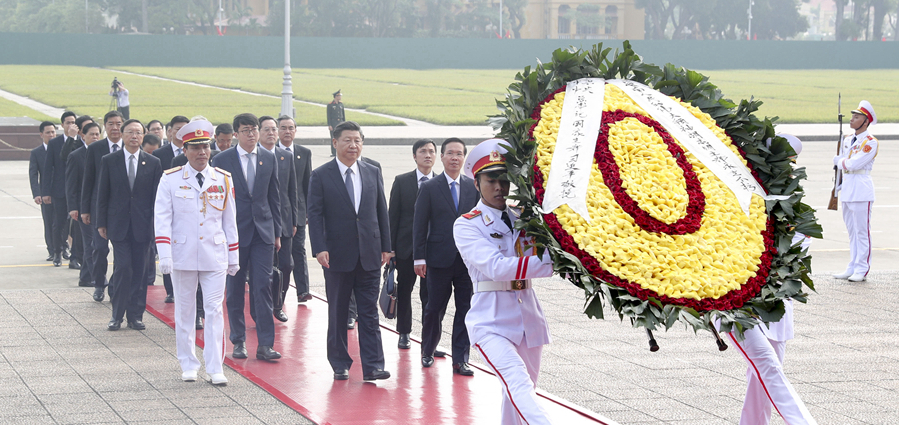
x,y
516,9
47,16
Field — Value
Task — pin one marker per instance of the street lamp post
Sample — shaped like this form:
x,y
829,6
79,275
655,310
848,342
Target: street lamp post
x,y
287,92
749,32
501,19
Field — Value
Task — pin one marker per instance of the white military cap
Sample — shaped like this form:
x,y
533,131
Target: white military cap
x,y
196,132
486,156
865,108
794,141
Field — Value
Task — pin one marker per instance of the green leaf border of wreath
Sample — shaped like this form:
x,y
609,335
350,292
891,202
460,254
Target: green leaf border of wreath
x,y
790,267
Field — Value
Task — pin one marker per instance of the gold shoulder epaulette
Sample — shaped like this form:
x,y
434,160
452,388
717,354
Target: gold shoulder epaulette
x,y
472,214
222,171
174,169
870,137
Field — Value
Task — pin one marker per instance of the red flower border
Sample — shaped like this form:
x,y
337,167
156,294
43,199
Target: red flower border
x,y
732,300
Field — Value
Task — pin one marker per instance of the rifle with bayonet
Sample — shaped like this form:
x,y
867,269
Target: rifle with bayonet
x,y
834,198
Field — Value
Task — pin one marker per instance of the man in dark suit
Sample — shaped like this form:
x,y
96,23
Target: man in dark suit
x,y
53,188
112,122
287,188
440,202
302,158
126,196
402,212
336,114
74,181
224,135
36,173
258,224
350,234
166,154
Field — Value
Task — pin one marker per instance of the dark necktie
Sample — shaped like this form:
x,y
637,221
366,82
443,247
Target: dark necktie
x,y
350,188
115,148
200,179
506,220
422,180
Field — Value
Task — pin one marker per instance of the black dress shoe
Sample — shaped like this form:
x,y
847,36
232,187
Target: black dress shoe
x,y
341,375
50,257
427,361
199,324
280,315
438,353
404,343
351,323
305,296
99,294
85,284
170,298
266,353
240,351
74,264
462,369
114,325
376,374
65,254
137,325
57,260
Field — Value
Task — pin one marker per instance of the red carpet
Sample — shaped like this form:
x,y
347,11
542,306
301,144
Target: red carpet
x,y
303,379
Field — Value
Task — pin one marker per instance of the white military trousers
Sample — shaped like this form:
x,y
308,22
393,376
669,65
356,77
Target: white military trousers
x,y
184,285
857,216
517,367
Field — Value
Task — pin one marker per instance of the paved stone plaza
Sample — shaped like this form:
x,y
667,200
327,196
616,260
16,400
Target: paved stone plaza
x,y
59,364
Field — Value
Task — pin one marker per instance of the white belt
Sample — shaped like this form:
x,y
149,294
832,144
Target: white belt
x,y
506,285
865,172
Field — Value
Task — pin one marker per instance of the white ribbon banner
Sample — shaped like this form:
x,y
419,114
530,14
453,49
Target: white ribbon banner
x,y
569,175
696,138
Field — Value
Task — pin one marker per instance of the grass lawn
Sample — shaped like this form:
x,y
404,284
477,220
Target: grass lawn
x,y
150,98
9,108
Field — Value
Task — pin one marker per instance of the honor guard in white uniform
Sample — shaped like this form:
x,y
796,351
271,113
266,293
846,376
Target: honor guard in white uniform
x,y
856,190
763,349
196,237
505,323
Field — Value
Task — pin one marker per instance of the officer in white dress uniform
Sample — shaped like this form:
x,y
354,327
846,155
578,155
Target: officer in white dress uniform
x,y
505,323
854,163
763,349
196,237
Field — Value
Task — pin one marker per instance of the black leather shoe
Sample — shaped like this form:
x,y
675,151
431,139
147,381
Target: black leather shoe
x,y
170,298
438,353
65,254
85,284
266,353
74,264
57,260
280,315
99,294
137,325
240,351
404,343
50,257
376,374
341,375
427,361
114,325
351,323
462,369
199,324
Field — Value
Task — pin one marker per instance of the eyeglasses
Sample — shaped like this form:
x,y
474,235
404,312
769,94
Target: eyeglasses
x,y
253,130
132,132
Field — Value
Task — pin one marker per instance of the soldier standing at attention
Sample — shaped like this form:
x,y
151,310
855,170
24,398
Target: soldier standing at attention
x,y
505,322
196,236
336,116
855,162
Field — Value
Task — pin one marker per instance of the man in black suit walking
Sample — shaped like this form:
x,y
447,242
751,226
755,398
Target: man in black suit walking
x,y
402,212
126,196
302,159
74,180
258,225
166,155
53,188
36,174
112,122
440,202
350,234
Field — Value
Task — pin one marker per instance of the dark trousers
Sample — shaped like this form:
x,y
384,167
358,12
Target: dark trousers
x,y
60,224
100,263
284,260
87,252
405,282
442,283
47,215
77,240
129,283
339,286
126,111
255,257
300,265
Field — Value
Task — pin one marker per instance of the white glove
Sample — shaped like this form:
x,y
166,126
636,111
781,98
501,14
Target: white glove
x,y
232,269
836,160
166,265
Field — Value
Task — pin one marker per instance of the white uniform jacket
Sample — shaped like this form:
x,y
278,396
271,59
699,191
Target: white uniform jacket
x,y
196,226
855,162
488,249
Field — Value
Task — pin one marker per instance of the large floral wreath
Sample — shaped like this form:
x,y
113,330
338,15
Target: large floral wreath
x,y
668,241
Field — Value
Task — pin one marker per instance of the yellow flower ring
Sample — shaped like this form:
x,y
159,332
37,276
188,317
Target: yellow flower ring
x,y
663,226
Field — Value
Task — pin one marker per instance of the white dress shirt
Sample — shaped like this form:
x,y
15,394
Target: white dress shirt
x,y
128,159
419,175
242,154
119,144
357,181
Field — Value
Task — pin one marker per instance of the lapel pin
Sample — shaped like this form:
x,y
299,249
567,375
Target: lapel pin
x,y
282,158
298,157
143,163
260,162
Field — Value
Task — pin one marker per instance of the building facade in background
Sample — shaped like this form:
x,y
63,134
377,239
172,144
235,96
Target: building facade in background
x,y
583,19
